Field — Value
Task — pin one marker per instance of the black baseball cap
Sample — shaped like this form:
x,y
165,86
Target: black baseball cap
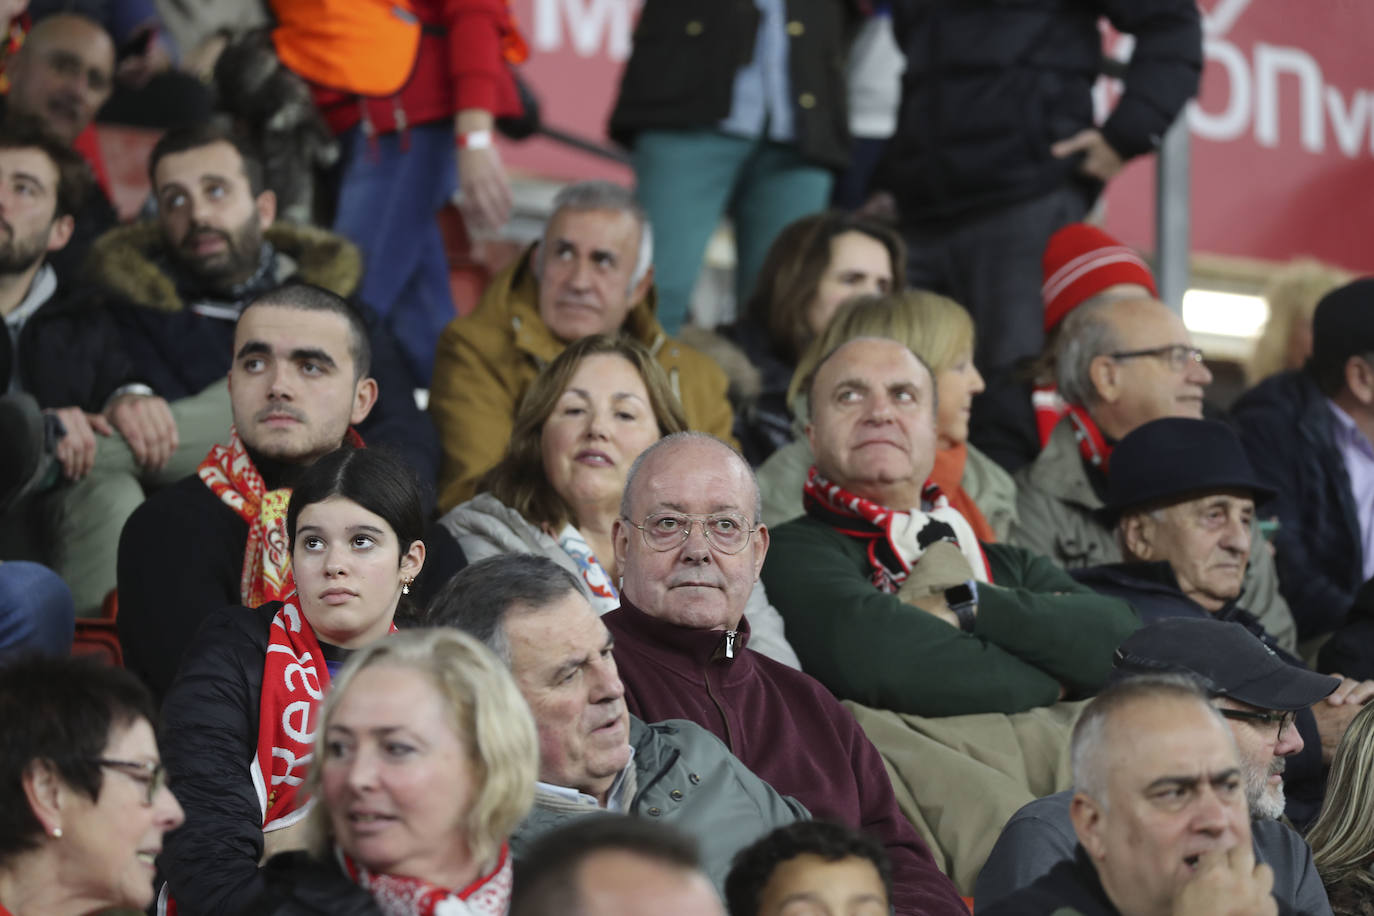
x,y
1226,658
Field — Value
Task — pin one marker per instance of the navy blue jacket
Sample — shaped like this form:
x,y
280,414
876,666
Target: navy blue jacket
x,y
990,85
1288,431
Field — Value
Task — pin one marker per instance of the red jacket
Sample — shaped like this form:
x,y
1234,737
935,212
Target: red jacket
x,y
462,62
785,727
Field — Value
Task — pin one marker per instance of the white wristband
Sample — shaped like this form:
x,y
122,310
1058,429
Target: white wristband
x,y
475,139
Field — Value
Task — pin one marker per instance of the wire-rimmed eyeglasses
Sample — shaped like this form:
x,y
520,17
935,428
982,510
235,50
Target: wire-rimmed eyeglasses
x,y
1177,356
726,532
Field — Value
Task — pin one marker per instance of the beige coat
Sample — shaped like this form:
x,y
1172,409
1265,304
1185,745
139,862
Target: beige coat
x,y
486,362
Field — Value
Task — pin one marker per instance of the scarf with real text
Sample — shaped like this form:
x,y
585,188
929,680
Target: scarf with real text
x,y
896,537
231,476
948,475
396,895
294,679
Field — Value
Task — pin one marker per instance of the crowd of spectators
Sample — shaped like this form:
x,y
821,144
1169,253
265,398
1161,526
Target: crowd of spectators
x,y
934,581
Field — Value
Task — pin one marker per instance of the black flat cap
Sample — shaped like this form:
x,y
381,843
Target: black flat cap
x,y
1174,457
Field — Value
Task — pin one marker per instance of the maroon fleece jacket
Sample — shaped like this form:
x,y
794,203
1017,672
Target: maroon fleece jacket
x,y
785,727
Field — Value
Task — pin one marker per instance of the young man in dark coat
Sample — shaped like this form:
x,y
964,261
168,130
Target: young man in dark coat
x,y
176,286
299,387
63,355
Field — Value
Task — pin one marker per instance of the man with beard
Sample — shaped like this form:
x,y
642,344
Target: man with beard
x,y
1259,696
299,388
60,76
63,356
177,285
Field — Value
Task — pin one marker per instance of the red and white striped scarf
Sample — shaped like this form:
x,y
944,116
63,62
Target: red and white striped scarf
x,y
488,895
896,537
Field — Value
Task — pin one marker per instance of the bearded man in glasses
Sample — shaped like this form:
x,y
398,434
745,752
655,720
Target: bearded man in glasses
x,y
1264,697
1121,363
689,547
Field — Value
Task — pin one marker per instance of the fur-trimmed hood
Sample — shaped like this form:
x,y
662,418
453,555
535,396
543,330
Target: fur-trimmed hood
x,y
126,262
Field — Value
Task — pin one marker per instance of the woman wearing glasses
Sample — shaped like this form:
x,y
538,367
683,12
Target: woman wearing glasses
x,y
240,719
557,491
83,802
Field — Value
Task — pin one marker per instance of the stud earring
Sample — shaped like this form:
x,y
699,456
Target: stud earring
x,y
57,833
405,584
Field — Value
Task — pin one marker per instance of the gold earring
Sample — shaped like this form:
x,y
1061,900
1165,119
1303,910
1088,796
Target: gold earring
x,y
405,584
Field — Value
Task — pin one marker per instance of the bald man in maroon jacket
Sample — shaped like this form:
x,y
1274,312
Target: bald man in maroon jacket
x,y
689,547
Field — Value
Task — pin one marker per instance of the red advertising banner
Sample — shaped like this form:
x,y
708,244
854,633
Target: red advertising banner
x,y
1282,132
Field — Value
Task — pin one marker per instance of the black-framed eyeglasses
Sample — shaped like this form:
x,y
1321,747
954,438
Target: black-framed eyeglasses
x,y
726,532
153,775
1177,356
1283,719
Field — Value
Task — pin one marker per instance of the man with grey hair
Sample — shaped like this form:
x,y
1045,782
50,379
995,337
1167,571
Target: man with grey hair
x,y
933,621
593,755
1121,363
689,547
1159,813
591,273
1257,693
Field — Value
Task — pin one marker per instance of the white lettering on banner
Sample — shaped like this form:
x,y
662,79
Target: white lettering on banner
x,y
1270,62
292,761
1349,125
303,732
592,24
1253,85
1231,122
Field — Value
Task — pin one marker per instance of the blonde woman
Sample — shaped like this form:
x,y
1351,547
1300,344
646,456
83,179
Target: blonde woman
x,y
1342,839
1292,296
425,762
940,332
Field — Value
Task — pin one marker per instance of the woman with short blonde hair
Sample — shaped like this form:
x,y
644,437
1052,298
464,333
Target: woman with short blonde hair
x,y
425,762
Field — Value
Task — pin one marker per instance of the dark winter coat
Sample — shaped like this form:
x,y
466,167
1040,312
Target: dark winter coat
x,y
70,354
179,352
1288,430
990,85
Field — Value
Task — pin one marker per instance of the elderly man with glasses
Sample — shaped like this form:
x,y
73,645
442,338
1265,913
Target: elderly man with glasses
x,y
1259,693
689,546
1121,362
